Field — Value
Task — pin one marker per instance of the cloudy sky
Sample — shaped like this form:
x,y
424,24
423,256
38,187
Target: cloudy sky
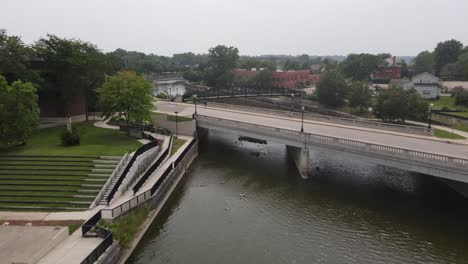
x,y
325,27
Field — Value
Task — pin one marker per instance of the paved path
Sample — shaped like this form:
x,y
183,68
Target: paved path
x,y
73,249
394,139
103,124
448,129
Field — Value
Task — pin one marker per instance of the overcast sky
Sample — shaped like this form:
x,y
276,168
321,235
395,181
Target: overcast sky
x,y
315,27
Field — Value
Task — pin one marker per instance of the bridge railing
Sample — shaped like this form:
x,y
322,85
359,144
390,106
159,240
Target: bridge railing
x,y
331,119
309,138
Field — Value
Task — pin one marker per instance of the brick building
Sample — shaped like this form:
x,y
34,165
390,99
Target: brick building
x,y
388,72
286,80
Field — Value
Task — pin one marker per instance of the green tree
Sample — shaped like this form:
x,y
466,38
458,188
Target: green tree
x,y
71,67
221,61
359,95
127,94
264,79
463,65
19,112
396,104
360,67
332,89
424,62
446,52
461,96
405,73
14,56
193,76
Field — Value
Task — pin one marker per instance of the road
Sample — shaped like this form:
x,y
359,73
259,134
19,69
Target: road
x,y
418,143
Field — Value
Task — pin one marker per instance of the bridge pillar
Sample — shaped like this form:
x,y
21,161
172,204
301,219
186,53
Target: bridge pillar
x,y
300,157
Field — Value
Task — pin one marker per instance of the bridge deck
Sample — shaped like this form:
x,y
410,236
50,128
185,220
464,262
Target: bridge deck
x,y
400,140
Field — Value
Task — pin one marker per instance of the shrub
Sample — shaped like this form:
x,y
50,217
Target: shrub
x,y
70,138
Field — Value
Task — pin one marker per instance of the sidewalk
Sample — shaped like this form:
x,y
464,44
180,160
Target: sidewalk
x,y
103,124
73,249
448,129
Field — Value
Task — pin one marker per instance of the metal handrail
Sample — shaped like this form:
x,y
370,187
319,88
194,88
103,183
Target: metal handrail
x,y
324,117
355,143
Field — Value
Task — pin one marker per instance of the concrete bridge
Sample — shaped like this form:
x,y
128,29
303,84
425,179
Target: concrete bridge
x,y
415,153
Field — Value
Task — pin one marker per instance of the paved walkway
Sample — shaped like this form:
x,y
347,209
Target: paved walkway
x,y
103,124
448,129
73,249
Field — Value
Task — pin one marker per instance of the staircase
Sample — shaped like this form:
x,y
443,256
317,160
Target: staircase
x,y
113,182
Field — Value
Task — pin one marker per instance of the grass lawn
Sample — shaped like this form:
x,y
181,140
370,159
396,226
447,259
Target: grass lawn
x,y
445,134
94,142
176,144
448,102
172,118
461,114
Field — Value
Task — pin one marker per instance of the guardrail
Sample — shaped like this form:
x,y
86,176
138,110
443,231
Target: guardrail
x,y
129,165
91,225
329,119
293,135
161,184
151,170
141,167
109,180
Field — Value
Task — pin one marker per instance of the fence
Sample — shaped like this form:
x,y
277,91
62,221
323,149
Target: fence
x,y
129,165
158,188
293,135
114,174
141,168
91,224
153,167
330,119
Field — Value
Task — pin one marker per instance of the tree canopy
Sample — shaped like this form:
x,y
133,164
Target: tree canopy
x,y
359,67
359,95
396,104
424,62
19,112
332,89
127,94
446,52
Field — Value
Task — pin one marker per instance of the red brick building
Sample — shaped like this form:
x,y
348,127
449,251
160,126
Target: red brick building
x,y
314,78
286,80
388,72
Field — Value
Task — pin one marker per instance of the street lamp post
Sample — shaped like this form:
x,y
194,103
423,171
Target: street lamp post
x,y
195,97
176,124
292,102
430,115
302,120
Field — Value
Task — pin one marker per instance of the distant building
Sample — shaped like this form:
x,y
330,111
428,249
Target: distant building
x,y
388,72
426,84
314,78
286,79
289,79
316,68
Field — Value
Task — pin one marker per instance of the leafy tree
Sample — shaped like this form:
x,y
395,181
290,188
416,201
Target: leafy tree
x,y
451,71
19,112
221,61
405,73
71,67
332,89
424,62
127,94
360,67
14,55
264,79
359,95
445,53
396,104
463,65
193,76
461,96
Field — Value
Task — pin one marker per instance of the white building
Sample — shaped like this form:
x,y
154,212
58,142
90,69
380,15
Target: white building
x,y
426,84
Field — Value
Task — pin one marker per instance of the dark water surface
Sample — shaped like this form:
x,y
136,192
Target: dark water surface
x,y
246,203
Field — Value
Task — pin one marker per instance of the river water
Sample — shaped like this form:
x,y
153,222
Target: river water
x,y
246,203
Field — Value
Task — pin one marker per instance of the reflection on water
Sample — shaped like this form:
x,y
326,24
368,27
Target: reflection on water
x,y
245,203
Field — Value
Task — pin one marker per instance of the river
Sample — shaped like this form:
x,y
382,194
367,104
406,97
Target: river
x,y
245,203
